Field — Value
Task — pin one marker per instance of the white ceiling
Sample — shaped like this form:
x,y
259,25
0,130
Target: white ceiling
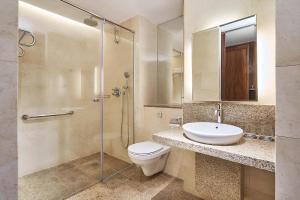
x,y
157,11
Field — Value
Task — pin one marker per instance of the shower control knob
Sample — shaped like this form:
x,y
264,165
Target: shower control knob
x,y
116,92
96,99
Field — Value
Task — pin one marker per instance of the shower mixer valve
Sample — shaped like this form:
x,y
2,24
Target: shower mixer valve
x,y
116,92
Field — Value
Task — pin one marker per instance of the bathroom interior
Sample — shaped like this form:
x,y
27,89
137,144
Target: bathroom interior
x,y
136,99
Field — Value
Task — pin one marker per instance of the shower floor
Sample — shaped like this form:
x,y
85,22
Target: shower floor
x,y
79,180
65,180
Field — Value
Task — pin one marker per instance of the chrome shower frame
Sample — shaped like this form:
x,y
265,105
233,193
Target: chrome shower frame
x,y
97,16
102,96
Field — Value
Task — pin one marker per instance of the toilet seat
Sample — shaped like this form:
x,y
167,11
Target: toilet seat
x,y
150,156
146,150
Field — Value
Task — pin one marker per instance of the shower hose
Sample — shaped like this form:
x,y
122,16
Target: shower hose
x,y
126,142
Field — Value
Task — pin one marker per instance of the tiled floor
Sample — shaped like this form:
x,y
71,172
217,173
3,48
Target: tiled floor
x,y
80,179
132,185
65,180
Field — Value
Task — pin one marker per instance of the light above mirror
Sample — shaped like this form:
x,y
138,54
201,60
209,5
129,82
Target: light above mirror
x,y
241,23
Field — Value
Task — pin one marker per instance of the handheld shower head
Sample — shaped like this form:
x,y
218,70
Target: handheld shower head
x,y
126,75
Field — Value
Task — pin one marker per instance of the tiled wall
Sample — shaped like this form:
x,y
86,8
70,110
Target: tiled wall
x,y
52,81
181,163
114,77
259,119
288,99
145,58
8,99
156,120
258,184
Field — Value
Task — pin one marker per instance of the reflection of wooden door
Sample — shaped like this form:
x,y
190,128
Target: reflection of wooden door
x,y
235,73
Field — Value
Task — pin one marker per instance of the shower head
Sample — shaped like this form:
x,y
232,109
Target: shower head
x,y
117,35
90,21
126,75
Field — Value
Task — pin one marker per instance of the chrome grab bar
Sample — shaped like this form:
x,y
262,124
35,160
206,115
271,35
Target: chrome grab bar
x,y
28,117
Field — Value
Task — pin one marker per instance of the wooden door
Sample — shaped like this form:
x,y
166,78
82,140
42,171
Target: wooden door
x,y
235,73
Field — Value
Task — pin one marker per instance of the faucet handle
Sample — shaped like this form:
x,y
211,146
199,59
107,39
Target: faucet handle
x,y
216,112
175,122
116,92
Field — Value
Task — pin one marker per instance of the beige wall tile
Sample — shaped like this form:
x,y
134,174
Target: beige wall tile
x,y
53,81
181,163
8,181
8,91
8,139
288,104
155,123
8,30
288,94
145,60
174,165
258,184
206,73
287,168
287,32
8,97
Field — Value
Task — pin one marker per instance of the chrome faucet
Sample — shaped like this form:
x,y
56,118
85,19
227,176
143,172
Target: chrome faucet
x,y
175,122
219,113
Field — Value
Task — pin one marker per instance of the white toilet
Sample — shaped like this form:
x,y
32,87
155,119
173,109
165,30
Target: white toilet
x,y
150,156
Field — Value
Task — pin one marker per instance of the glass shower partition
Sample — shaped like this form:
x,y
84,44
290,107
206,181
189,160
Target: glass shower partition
x,y
59,138
75,101
118,95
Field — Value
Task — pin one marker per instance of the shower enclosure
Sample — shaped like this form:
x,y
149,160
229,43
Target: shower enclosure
x,y
75,104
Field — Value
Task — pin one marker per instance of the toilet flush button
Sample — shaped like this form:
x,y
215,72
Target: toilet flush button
x,y
159,115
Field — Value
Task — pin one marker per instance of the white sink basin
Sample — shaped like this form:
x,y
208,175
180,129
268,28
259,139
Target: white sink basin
x,y
212,133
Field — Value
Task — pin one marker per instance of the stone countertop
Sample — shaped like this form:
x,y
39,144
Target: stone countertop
x,y
250,152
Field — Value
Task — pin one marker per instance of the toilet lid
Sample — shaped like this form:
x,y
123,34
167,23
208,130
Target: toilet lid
x,y
145,148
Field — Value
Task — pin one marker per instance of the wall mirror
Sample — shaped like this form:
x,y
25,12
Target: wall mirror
x,y
167,86
224,62
170,62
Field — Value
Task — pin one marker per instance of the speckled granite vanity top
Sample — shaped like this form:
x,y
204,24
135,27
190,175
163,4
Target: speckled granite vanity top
x,y
250,152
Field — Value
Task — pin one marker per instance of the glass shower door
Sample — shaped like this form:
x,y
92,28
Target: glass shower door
x,y
118,89
83,67
58,155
